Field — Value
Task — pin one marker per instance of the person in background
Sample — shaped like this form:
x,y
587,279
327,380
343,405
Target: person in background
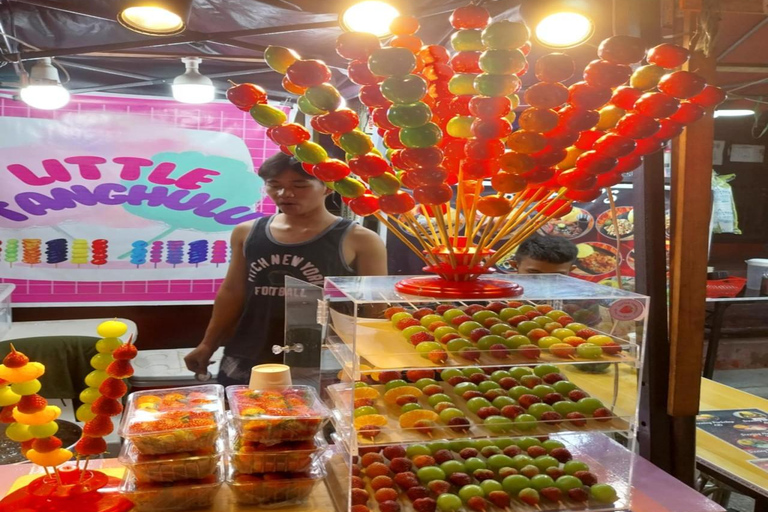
x,y
545,255
304,240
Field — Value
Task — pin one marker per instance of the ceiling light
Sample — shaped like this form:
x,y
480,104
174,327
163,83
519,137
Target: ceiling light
x,y
560,23
155,17
734,112
192,87
564,29
369,16
43,88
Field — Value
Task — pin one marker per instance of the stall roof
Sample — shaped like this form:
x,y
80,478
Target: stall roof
x,y
230,36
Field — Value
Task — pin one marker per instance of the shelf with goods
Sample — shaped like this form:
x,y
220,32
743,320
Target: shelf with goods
x,y
385,393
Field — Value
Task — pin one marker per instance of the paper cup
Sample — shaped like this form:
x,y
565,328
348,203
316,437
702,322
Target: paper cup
x,y
265,376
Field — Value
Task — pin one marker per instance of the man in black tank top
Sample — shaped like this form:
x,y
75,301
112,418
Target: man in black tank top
x,y
304,241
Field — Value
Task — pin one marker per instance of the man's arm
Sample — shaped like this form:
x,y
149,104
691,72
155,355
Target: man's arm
x,y
227,307
370,253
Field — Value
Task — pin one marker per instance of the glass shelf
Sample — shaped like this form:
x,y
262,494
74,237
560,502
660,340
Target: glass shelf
x,y
537,287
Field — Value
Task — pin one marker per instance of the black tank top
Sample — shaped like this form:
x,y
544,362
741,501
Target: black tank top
x,y
268,262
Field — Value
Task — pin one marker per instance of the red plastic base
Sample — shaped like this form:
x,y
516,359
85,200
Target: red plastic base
x,y
439,288
45,494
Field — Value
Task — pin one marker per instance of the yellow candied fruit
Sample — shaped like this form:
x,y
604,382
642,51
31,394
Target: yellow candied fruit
x,y
370,419
148,399
50,413
29,371
54,458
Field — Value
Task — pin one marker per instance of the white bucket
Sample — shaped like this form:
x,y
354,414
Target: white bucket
x,y
756,267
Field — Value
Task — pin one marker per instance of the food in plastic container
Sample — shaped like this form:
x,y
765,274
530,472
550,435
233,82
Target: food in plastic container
x,y
181,495
174,420
291,413
171,467
273,490
289,456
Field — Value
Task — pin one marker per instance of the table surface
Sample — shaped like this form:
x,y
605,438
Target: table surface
x,y
710,451
84,327
654,490
723,456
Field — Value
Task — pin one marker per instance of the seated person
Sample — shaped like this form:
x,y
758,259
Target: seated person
x,y
545,255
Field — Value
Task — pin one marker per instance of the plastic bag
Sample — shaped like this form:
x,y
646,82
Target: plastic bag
x,y
725,219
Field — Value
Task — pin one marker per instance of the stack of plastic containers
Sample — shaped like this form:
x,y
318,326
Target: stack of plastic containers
x,y
173,449
275,444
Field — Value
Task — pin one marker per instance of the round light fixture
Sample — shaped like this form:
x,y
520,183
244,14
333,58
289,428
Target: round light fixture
x,y
155,17
192,87
564,29
43,89
370,16
734,112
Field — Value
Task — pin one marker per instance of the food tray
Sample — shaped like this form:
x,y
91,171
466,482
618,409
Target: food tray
x,y
274,490
182,495
174,420
171,467
289,413
290,456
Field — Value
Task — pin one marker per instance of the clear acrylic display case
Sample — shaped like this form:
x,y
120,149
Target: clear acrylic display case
x,y
363,352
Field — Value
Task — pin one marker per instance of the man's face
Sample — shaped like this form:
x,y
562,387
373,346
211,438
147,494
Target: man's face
x,y
296,193
532,266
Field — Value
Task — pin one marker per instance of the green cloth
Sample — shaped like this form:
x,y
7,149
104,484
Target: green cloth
x,y
67,361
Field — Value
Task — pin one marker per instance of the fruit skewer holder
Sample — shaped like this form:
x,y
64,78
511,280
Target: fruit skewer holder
x,y
462,391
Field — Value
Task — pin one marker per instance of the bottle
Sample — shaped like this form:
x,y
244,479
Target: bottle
x,y
764,285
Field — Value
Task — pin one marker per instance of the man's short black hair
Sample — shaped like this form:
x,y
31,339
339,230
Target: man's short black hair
x,y
280,162
551,249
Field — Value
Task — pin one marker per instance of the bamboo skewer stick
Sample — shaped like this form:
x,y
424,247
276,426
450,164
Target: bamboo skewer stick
x,y
405,228
441,226
614,219
414,223
470,222
519,215
515,212
459,208
402,237
534,224
483,236
429,245
425,212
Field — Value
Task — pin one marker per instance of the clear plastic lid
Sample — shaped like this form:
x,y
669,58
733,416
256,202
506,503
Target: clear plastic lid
x,y
164,495
131,456
316,472
276,405
238,445
161,411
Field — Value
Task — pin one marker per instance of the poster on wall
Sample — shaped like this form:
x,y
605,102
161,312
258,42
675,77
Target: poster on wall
x,y
125,199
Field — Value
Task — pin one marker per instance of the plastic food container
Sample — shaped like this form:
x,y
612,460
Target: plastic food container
x,y
289,456
172,496
756,267
171,467
274,490
174,420
291,413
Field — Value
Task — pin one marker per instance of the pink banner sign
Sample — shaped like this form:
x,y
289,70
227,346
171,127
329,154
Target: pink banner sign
x,y
125,199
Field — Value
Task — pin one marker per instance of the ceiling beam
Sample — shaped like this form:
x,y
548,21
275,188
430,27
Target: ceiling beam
x,y
737,6
71,9
162,81
174,55
742,68
99,69
185,38
743,38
